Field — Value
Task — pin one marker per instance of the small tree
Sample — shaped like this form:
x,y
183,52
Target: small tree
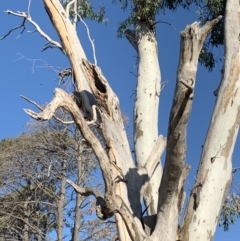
x,y
35,198
95,109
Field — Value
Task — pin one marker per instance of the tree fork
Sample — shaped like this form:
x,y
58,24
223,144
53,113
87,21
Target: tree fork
x,y
215,168
175,169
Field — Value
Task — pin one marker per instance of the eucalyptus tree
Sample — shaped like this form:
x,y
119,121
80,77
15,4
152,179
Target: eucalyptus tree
x,y
95,110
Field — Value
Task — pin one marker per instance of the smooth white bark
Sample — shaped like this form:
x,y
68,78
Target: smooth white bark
x,y
146,109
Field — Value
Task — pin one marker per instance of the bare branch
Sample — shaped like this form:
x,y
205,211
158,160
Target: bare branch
x,y
209,25
48,112
24,221
90,39
85,191
160,21
75,11
68,7
15,28
27,17
76,15
47,65
29,5
74,51
41,108
192,39
32,102
133,225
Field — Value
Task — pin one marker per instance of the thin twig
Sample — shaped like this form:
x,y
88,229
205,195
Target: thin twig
x,y
13,29
90,39
133,74
40,31
68,7
160,21
47,65
29,4
32,102
235,169
75,16
26,16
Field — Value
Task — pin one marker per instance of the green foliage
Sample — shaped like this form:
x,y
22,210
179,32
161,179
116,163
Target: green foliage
x,y
208,9
230,211
86,10
206,58
140,11
146,10
174,4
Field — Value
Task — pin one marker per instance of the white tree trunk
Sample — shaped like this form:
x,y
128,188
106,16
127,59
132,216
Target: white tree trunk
x,y
146,108
215,170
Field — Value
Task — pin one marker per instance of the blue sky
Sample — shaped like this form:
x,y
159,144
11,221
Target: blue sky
x,y
116,57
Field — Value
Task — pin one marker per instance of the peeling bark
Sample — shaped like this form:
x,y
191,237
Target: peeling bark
x,y
192,39
214,174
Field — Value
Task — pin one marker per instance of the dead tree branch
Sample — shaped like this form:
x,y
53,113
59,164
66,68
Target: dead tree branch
x,y
41,108
22,25
26,17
